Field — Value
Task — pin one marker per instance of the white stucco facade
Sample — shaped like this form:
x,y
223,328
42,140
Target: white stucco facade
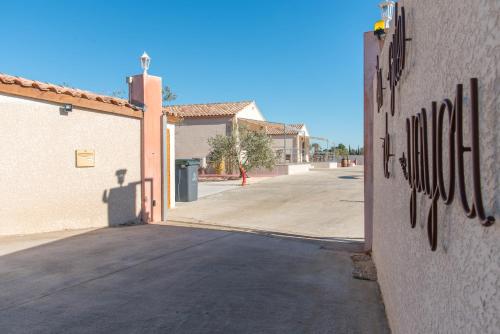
x,y
251,111
456,288
42,190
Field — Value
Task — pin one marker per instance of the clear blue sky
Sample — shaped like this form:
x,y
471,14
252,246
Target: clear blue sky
x,y
300,60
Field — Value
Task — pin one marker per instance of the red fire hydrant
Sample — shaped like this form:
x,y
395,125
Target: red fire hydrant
x,y
243,174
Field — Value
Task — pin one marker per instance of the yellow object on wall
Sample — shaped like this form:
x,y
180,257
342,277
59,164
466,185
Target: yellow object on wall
x,y
379,25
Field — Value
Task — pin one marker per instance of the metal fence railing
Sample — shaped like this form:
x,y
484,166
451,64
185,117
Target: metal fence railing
x,y
323,157
285,156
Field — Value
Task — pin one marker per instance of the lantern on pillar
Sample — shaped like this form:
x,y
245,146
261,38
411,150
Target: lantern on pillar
x,y
387,12
145,60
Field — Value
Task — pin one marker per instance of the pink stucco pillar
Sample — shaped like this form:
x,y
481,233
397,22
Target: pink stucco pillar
x,y
372,46
146,90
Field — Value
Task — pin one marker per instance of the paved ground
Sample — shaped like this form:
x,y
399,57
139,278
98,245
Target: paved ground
x,y
324,203
173,279
17,243
168,279
208,188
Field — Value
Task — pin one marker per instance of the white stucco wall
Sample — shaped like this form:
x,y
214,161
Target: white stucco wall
x,y
192,135
41,189
455,289
304,132
324,165
251,112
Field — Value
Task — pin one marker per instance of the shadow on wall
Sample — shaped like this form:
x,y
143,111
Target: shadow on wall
x,y
122,201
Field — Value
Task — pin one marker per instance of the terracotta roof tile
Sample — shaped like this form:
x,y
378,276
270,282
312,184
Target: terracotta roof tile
x,y
206,109
77,93
272,128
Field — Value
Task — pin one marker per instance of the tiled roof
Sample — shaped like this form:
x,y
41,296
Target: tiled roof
x,y
207,109
73,92
272,128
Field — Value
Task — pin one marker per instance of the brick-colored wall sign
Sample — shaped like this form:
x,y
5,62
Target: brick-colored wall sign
x,y
85,158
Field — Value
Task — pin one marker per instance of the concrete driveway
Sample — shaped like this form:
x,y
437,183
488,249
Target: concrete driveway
x,y
168,279
208,188
174,279
324,203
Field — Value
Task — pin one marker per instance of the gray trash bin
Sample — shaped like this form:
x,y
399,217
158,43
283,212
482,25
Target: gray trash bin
x,y
186,180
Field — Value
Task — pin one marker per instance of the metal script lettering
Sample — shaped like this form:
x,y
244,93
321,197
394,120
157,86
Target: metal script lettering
x,y
380,94
386,146
419,177
397,54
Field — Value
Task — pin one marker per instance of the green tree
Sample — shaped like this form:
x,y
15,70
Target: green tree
x,y
66,84
341,151
223,149
243,149
168,95
118,93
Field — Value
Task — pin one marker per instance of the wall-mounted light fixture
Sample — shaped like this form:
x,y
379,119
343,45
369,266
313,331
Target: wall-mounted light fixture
x,y
65,109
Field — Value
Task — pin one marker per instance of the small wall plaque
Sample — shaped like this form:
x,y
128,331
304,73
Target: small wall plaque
x,y
85,158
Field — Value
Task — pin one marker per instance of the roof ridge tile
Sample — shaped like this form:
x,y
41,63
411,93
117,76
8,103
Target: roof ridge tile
x,y
58,89
213,109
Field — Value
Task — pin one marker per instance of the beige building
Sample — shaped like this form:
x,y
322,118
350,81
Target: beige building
x,y
199,122
289,141
434,183
202,121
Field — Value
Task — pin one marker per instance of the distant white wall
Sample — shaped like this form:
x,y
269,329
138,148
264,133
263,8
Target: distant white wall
x,y
324,164
304,131
281,169
251,112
